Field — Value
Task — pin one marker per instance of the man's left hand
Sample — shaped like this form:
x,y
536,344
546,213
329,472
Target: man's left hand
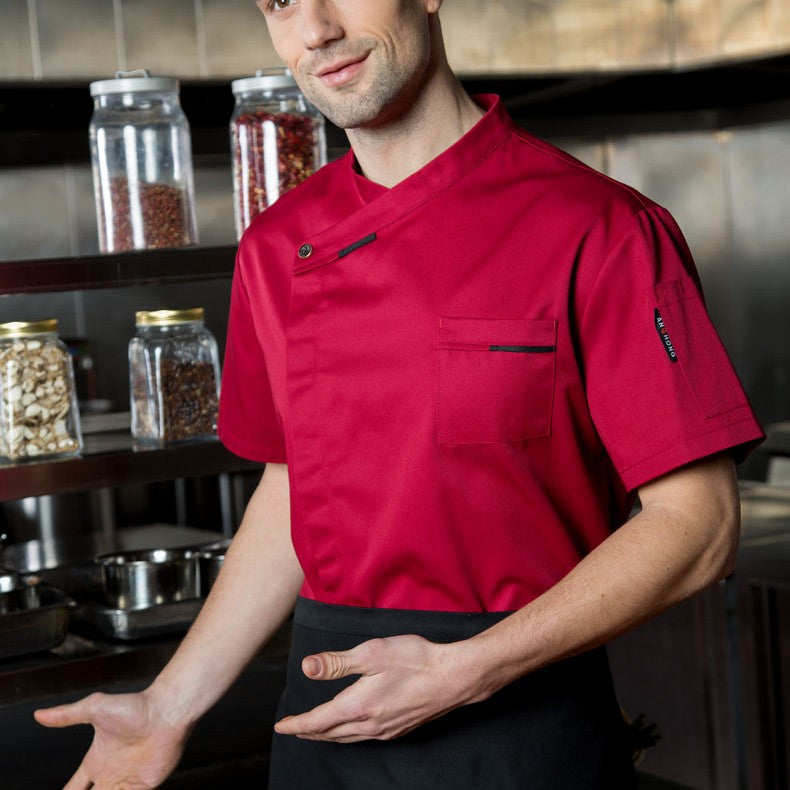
x,y
405,681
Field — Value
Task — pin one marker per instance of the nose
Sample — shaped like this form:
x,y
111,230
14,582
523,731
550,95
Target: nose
x,y
320,23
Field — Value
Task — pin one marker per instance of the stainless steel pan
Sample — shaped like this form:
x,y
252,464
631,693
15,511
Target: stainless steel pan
x,y
140,579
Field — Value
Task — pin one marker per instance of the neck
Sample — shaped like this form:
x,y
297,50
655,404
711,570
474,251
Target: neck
x,y
442,113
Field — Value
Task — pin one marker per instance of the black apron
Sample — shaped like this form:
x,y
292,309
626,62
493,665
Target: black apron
x,y
559,728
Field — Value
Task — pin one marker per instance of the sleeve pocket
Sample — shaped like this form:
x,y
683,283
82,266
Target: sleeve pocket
x,y
496,379
700,353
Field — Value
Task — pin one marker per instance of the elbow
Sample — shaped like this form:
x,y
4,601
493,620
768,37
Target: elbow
x,y
720,511
719,557
724,565
701,506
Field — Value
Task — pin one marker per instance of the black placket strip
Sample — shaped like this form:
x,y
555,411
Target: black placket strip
x,y
356,245
524,349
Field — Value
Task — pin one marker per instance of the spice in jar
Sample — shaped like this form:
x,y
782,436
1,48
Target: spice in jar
x,y
273,153
141,157
173,377
39,413
188,403
277,141
159,221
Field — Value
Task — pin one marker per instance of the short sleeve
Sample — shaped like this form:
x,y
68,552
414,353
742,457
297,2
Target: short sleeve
x,y
249,424
661,389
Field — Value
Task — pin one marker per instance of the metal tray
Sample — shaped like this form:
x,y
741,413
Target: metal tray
x,y
129,624
37,628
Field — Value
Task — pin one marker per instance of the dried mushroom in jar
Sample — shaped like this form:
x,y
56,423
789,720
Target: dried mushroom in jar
x,y
36,393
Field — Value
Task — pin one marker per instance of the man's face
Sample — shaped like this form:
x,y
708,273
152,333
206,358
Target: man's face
x,y
359,61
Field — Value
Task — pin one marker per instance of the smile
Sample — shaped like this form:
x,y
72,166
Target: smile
x,y
338,74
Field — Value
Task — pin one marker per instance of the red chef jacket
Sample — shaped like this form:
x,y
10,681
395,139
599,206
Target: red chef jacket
x,y
469,373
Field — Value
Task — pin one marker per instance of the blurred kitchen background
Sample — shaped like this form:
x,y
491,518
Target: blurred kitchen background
x,y
687,100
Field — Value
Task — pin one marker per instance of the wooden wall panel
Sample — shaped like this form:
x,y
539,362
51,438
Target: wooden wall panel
x,y
586,34
226,38
697,30
468,34
780,22
524,36
643,33
745,26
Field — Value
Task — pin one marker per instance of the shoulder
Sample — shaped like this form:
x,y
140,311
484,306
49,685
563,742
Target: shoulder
x,y
597,211
575,183
606,229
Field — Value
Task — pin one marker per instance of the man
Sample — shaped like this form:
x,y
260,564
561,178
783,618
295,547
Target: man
x,y
459,352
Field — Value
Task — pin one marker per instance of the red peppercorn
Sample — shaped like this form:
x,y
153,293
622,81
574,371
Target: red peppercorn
x,y
148,217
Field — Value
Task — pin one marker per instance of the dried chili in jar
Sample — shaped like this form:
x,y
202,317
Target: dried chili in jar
x,y
142,164
277,141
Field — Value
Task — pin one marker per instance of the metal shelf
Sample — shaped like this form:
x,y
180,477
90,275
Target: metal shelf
x,y
112,460
173,265
46,122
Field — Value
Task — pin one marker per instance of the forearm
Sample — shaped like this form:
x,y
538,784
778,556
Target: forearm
x,y
252,596
673,548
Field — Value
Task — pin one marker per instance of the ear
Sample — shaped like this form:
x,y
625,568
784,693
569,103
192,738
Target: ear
x,y
432,6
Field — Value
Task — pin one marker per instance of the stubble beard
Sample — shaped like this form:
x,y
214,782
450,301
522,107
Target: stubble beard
x,y
352,108
348,110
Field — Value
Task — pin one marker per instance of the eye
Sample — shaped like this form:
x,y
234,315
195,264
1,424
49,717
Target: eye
x,y
278,5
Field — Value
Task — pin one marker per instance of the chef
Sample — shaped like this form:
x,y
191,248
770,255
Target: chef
x,y
461,354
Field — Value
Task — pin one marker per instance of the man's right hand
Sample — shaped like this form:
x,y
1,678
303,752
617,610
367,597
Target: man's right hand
x,y
134,746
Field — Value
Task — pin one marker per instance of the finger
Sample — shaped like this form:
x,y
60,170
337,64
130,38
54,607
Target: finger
x,y
365,730
63,715
327,666
348,732
318,720
332,665
333,738
343,732
79,781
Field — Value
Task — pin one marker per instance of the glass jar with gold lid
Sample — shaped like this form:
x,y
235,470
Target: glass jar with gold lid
x,y
174,376
39,417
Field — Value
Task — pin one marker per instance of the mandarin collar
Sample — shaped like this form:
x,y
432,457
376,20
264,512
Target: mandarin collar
x,y
490,131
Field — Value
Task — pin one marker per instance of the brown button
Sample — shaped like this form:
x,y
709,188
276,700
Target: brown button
x,y
305,251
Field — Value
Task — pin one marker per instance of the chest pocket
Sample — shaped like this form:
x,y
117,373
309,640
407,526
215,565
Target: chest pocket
x,y
496,379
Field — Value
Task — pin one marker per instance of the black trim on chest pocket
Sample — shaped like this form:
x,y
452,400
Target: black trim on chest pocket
x,y
495,379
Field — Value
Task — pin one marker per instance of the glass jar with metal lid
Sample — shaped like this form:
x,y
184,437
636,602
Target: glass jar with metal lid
x,y
141,155
39,417
277,140
174,376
